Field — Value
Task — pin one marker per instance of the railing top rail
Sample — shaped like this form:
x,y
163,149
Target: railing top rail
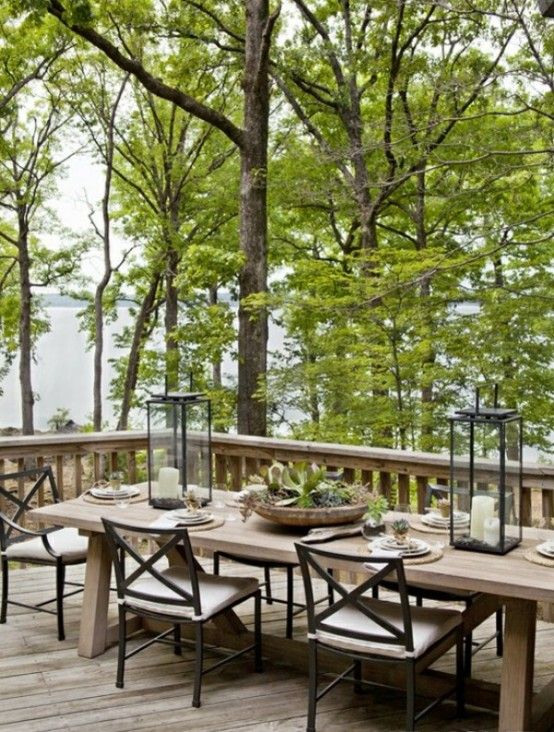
x,y
269,448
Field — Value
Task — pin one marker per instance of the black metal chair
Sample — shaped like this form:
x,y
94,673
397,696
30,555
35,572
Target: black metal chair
x,y
53,546
364,628
176,594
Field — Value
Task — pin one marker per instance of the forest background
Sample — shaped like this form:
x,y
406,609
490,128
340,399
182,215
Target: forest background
x,y
377,177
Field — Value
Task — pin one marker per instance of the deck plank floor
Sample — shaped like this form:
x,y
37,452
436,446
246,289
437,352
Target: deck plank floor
x,y
46,686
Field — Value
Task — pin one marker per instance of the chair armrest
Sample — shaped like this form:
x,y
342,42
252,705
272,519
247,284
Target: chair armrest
x,y
43,534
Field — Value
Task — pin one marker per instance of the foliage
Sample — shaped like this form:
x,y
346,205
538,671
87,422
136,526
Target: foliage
x,y
377,505
304,485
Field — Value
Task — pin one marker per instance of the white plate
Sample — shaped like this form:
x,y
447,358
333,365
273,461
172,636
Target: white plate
x,y
181,516
431,519
541,548
416,548
127,491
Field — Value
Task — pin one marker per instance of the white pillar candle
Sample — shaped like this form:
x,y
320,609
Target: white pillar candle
x,y
482,507
168,483
491,531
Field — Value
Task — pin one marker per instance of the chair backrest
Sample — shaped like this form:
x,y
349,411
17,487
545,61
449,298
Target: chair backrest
x,y
314,563
15,504
119,536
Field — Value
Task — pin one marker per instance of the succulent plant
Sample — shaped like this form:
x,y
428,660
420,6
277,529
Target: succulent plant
x,y
302,485
400,527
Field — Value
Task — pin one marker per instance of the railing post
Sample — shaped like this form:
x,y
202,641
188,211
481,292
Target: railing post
x,y
59,476
547,506
403,489
78,471
385,484
251,467
132,467
348,475
526,507
421,481
235,469
367,479
220,471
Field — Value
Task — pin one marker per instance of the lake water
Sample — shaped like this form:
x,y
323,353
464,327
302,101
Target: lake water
x,y
63,375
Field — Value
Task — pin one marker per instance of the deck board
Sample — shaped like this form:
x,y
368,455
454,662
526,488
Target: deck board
x,y
47,686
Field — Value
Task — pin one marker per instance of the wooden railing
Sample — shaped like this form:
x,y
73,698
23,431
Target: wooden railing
x,y
80,458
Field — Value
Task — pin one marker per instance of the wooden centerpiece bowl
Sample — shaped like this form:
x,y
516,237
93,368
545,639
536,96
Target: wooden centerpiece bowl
x,y
306,517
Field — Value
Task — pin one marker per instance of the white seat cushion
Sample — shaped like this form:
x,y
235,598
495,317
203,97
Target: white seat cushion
x,y
66,542
216,593
429,625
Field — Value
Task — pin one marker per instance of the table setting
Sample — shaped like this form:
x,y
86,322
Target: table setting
x,y
103,492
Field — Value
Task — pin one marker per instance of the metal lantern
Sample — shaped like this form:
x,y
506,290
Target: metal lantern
x,y
179,448
485,478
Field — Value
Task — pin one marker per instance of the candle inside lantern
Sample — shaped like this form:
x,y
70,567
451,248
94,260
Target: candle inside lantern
x,y
168,483
491,531
482,508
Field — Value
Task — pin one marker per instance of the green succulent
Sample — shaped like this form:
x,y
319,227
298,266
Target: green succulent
x,y
401,526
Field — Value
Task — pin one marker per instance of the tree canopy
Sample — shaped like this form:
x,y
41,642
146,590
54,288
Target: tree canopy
x,y
373,178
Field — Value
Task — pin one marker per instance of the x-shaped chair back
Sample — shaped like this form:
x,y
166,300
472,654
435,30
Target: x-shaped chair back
x,y
118,534
314,562
11,525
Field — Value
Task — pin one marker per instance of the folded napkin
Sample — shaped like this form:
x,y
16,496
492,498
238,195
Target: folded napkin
x,y
327,533
382,554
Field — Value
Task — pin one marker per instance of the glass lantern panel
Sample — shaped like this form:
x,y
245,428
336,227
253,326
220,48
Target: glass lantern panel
x,y
165,446
198,461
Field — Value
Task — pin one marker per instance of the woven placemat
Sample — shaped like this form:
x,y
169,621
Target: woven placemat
x,y
533,556
164,523
87,498
425,529
434,555
214,524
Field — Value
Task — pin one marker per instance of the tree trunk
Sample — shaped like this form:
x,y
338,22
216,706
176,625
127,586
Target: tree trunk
x,y
252,341
25,336
171,321
133,362
216,364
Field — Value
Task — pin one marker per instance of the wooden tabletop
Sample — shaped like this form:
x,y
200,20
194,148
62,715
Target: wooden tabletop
x,y
506,576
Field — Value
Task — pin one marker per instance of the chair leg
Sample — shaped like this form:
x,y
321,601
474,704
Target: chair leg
x,y
410,696
4,607
290,601
468,653
312,685
267,578
177,639
122,648
419,601
358,688
60,582
499,634
198,664
258,662
460,678
216,562
330,593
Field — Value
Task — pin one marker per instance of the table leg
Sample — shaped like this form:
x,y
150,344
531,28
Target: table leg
x,y
517,666
94,615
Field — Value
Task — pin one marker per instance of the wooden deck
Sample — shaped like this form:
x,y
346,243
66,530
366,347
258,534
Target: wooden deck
x,y
46,686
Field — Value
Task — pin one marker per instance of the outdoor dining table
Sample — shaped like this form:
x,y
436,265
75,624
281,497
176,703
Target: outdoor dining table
x,y
509,580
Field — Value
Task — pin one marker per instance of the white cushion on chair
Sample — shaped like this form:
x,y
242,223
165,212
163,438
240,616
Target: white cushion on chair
x,y
216,592
429,625
65,542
